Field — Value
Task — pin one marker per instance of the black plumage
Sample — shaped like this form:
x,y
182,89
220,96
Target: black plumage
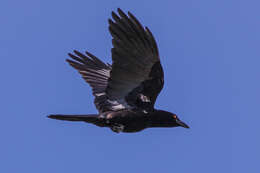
x,y
125,92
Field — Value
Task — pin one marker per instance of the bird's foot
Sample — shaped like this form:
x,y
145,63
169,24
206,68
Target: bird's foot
x,y
117,128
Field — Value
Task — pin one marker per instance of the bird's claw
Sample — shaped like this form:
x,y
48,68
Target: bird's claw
x,y
117,128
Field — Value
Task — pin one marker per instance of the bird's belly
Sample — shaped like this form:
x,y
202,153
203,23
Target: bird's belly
x,y
128,121
134,127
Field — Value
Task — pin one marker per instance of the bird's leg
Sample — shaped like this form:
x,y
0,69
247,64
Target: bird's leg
x,y
111,121
117,128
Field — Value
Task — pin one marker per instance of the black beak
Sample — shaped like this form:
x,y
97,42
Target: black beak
x,y
182,124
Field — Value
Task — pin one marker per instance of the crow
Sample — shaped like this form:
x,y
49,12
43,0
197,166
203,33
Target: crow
x,y
125,92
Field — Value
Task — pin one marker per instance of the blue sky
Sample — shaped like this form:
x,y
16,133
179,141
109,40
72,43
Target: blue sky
x,y
210,54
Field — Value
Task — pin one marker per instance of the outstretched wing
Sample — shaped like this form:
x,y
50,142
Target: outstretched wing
x,y
94,72
136,77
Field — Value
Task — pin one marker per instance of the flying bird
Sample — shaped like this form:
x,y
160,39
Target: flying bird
x,y
125,92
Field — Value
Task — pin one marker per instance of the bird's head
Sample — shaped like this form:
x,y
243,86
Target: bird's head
x,y
166,119
178,122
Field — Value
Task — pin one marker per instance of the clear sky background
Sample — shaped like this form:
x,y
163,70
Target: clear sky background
x,y
210,53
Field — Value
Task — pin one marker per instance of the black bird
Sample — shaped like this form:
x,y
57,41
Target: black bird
x,y
125,92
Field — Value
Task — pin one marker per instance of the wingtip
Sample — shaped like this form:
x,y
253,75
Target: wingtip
x,y
68,60
119,9
122,13
76,52
110,21
113,13
130,14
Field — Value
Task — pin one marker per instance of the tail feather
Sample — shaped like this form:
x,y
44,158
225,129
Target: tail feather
x,y
91,118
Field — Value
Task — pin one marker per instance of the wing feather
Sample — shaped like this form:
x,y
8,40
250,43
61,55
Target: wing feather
x,y
135,77
134,55
95,73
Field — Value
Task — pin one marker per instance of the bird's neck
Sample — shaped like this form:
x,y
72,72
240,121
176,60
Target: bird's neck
x,y
159,119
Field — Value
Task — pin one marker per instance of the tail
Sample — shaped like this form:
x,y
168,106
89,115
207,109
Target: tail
x,y
91,118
